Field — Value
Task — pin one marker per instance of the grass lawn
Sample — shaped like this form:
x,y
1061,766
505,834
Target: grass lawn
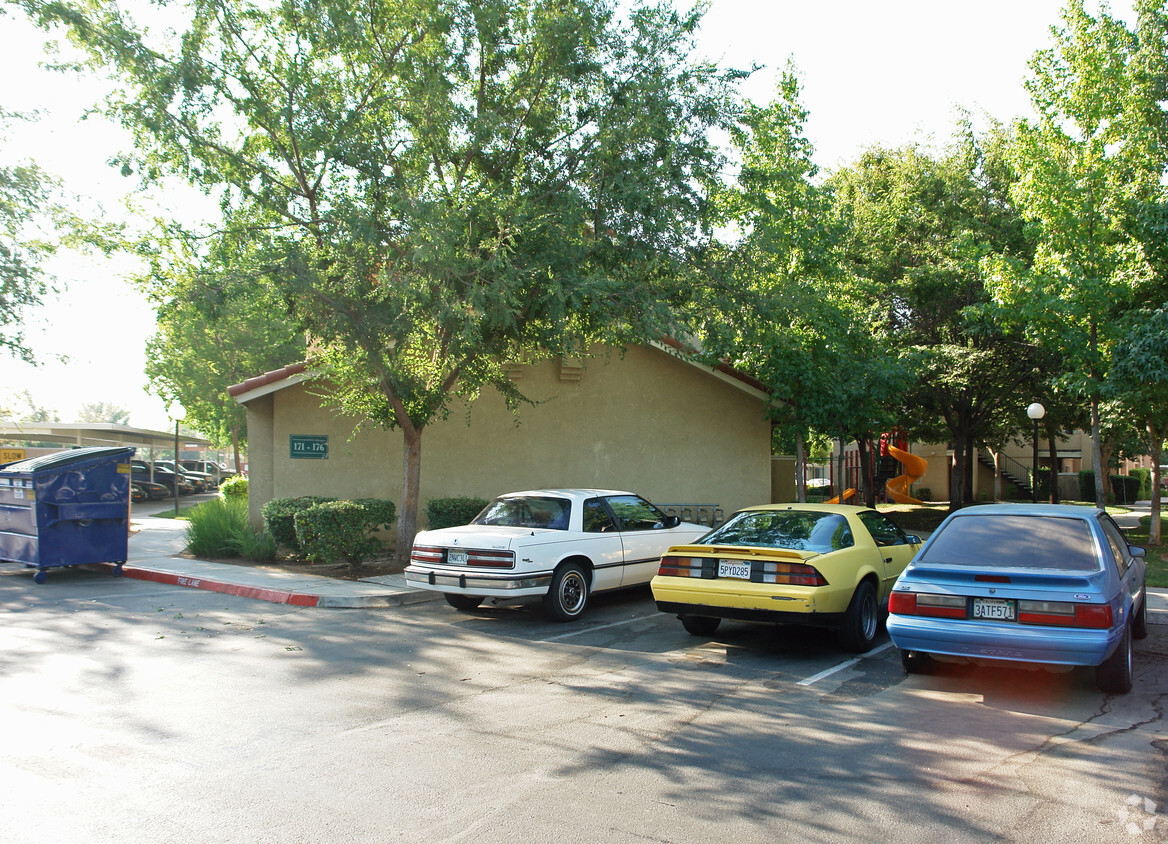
x,y
1157,555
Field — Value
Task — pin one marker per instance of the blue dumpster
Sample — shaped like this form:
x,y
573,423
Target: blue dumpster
x,y
66,509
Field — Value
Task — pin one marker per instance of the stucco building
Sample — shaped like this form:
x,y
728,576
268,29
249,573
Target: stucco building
x,y
646,419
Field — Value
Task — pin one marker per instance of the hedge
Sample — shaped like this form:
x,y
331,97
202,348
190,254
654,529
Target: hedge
x,y
280,514
1125,488
451,512
339,530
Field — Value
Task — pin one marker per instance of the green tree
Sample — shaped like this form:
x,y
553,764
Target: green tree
x,y
1138,378
438,186
1076,164
920,227
216,326
28,207
777,306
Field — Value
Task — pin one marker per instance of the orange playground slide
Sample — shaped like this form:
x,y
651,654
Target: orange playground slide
x,y
914,469
848,493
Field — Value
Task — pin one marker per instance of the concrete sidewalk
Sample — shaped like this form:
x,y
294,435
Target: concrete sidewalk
x,y
152,556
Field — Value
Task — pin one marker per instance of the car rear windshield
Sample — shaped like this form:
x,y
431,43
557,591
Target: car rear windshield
x,y
1014,541
796,530
528,512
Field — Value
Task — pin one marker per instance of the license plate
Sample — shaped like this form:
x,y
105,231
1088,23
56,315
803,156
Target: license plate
x,y
734,568
456,558
993,608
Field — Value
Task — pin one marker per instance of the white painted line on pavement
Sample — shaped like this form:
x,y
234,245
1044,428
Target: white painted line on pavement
x,y
815,678
593,629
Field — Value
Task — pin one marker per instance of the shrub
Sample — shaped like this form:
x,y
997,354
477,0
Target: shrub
x,y
451,512
379,512
280,514
1126,488
234,487
336,530
1145,476
254,544
213,527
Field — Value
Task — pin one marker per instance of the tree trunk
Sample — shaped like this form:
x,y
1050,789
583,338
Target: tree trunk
x,y
1052,442
970,495
407,511
1096,455
800,469
866,472
957,475
1155,440
997,455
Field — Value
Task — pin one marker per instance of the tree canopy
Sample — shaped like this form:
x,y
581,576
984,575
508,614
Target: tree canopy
x,y
436,187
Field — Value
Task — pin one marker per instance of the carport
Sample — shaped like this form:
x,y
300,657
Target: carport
x,y
55,436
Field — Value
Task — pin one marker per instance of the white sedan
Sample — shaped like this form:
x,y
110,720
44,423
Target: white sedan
x,y
561,544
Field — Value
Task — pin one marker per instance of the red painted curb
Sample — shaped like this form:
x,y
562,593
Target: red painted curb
x,y
275,596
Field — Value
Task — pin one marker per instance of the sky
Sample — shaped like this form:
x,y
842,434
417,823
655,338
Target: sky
x,y
889,73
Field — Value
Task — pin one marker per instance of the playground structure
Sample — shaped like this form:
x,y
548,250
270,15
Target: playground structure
x,y
914,469
896,467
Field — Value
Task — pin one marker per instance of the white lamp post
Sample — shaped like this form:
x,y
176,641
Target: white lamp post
x,y
1036,411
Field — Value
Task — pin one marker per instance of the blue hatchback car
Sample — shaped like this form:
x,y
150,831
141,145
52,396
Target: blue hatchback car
x,y
1051,584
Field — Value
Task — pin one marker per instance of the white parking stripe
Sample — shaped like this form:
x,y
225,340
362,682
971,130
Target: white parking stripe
x,y
593,629
815,678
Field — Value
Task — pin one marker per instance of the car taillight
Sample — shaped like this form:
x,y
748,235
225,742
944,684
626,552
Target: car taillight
x,y
425,554
680,566
928,604
795,574
902,603
495,559
1065,614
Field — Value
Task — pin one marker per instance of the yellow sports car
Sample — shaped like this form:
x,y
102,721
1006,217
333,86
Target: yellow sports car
x,y
821,564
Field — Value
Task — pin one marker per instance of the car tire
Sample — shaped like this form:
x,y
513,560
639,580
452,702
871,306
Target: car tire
x,y
1140,618
861,620
466,603
568,594
916,662
1114,674
700,625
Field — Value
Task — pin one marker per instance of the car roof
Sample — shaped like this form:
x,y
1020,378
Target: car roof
x,y
1066,511
574,492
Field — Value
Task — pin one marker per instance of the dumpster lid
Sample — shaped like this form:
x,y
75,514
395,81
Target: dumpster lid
x,y
66,458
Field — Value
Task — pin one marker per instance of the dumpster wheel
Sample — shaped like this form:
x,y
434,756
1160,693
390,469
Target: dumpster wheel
x,y
41,576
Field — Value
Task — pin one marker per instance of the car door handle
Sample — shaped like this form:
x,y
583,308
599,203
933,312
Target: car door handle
x,y
888,559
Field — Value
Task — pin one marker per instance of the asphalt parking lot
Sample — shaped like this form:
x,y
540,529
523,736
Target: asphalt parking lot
x,y
142,712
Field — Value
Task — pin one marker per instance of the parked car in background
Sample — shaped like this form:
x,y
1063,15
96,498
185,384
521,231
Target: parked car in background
x,y
140,470
1046,584
207,467
151,491
137,494
829,565
202,481
559,544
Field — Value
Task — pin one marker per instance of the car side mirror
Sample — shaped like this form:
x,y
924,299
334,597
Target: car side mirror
x,y
913,539
1137,551
670,522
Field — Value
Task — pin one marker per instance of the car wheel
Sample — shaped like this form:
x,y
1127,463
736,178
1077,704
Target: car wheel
x,y
861,620
700,625
1114,674
1140,619
916,662
463,602
568,594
